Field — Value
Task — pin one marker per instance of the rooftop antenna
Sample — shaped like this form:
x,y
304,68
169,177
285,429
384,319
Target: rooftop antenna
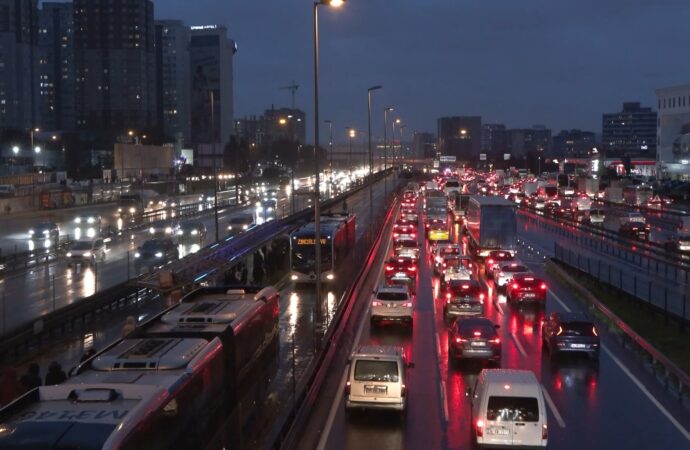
x,y
293,89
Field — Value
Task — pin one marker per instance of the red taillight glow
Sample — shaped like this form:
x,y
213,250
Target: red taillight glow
x,y
376,303
544,432
480,428
543,286
347,388
491,261
389,267
515,285
412,268
594,331
465,286
448,295
403,390
481,296
408,304
477,334
396,234
495,341
560,331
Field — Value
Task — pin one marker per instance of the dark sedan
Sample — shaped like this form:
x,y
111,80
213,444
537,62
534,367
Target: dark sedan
x,y
474,338
463,298
570,332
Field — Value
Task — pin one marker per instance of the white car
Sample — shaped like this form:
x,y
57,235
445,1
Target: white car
x,y
86,251
443,249
164,229
392,304
505,272
406,246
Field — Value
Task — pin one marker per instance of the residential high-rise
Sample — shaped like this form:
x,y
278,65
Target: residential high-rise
x,y
115,61
494,139
460,136
173,78
285,123
529,140
18,33
55,67
424,145
630,132
573,143
673,132
212,97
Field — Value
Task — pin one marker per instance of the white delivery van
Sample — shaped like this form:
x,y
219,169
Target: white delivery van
x,y
508,409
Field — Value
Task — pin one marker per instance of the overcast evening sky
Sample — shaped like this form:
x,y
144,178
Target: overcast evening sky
x,y
559,63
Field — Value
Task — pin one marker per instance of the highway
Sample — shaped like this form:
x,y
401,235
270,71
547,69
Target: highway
x,y
613,404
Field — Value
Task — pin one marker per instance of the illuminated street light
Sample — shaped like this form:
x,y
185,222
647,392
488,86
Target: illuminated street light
x,y
15,150
282,121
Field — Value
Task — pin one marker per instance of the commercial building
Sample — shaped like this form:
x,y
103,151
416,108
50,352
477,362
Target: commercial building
x,y
573,143
212,96
115,58
423,145
55,67
18,35
494,138
673,132
460,136
524,141
285,123
630,132
173,79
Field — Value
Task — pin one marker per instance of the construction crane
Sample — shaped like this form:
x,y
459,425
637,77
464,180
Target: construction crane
x,y
293,89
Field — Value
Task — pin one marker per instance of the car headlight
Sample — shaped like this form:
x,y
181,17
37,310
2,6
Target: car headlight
x,y
77,220
244,227
195,232
119,210
137,255
168,230
159,254
229,227
31,232
180,232
46,232
87,254
69,254
91,220
152,230
132,210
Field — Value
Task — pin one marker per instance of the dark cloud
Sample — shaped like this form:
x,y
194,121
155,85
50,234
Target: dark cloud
x,y
522,62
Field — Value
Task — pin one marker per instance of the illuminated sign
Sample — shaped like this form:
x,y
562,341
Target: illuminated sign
x,y
204,27
309,241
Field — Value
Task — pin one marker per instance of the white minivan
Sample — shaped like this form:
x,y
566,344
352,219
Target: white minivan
x,y
508,409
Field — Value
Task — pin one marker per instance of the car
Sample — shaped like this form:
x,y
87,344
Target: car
x,y
45,230
402,226
494,260
155,252
526,288
410,217
401,271
266,210
406,246
455,267
570,332
505,272
463,298
474,338
86,251
442,249
192,231
87,226
241,223
376,379
167,228
596,216
392,304
634,230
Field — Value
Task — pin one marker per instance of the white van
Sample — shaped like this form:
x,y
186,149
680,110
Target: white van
x,y
376,379
508,409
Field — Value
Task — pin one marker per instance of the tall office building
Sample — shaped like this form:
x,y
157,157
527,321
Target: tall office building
x,y
212,97
423,145
55,67
173,78
631,131
18,26
460,136
285,123
529,140
115,60
573,143
494,139
673,132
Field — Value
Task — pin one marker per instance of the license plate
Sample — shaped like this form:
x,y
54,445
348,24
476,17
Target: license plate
x,y
499,431
529,295
578,345
478,344
375,389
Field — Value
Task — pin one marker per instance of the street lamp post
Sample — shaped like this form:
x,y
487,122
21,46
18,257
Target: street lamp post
x,y
402,127
396,121
385,150
330,153
351,133
317,195
15,150
371,154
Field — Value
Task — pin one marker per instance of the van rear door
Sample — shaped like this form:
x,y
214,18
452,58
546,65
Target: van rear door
x,y
514,420
376,380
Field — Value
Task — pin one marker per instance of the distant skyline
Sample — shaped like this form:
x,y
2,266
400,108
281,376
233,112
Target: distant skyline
x,y
559,64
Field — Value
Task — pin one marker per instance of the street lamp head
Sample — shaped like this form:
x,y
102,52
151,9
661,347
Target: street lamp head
x,y
282,121
36,130
333,3
390,108
397,120
15,150
374,88
37,149
130,133
54,137
353,133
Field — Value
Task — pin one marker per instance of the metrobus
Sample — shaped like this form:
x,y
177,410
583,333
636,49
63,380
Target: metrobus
x,y
337,240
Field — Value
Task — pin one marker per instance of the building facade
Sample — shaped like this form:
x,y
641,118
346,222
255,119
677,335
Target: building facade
x,y
56,109
115,60
423,145
212,91
285,123
460,136
573,143
173,79
673,132
523,141
18,36
494,139
630,132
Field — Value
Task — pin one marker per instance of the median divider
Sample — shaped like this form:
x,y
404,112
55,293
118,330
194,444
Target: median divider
x,y
672,377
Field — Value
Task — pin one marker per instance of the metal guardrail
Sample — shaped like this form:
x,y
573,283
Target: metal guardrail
x,y
672,377
41,332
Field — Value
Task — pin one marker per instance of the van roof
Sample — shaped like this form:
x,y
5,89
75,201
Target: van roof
x,y
388,351
510,377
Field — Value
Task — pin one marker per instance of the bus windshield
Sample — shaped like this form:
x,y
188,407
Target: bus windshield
x,y
304,255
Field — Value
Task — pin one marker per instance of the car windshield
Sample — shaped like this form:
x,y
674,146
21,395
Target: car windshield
x,y
513,409
150,246
578,329
392,296
43,226
452,184
369,370
82,245
191,226
514,269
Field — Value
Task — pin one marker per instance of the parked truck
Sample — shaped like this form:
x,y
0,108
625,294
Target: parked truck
x,y
491,225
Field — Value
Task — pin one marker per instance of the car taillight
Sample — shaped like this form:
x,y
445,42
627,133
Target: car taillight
x,y
375,303
389,267
543,286
347,388
594,331
481,296
479,428
491,261
544,432
460,340
495,341
412,268
560,331
403,390
448,295
396,234
408,304
515,285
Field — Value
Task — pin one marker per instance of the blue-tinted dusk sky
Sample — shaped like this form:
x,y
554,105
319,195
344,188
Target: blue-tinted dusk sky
x,y
560,63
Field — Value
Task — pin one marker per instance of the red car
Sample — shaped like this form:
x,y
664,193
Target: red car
x,y
526,288
401,270
402,226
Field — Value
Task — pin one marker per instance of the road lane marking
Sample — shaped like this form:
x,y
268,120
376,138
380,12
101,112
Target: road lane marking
x,y
323,440
444,400
553,408
560,302
498,306
519,346
648,394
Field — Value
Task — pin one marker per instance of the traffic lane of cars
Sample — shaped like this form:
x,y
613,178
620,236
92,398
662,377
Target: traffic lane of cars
x,y
597,403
